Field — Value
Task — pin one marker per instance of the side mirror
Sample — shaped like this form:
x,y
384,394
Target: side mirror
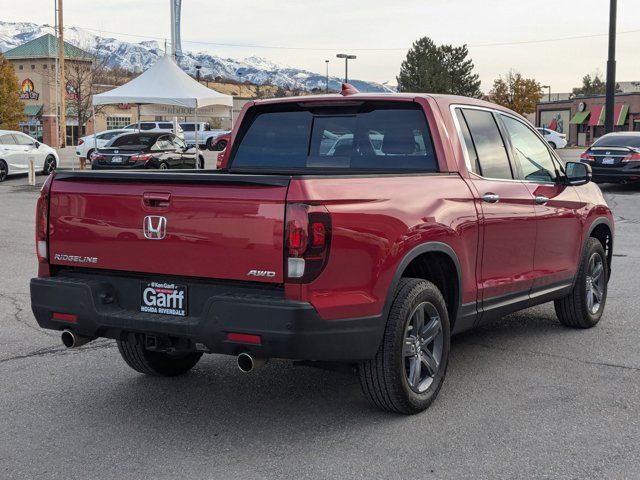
x,y
37,144
578,173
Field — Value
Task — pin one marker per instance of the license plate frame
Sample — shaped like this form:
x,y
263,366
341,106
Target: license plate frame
x,y
608,161
117,159
164,298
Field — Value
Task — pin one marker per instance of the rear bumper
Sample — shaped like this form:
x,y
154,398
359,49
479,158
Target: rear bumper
x,y
629,171
108,306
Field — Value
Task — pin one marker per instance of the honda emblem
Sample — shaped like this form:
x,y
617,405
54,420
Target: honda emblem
x,y
154,227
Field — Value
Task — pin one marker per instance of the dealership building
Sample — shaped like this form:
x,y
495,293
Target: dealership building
x,y
581,118
34,63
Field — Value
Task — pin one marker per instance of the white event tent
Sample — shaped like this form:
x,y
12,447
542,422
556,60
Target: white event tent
x,y
164,83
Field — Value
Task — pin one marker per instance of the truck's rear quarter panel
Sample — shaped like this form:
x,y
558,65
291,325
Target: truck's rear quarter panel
x,y
376,221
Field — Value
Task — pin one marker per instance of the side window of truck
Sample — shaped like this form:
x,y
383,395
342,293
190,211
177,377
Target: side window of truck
x,y
487,141
472,155
532,154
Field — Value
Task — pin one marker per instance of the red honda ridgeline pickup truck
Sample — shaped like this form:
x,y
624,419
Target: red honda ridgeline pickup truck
x,y
354,228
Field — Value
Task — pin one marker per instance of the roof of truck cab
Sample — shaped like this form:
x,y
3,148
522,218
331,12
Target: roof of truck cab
x,y
441,99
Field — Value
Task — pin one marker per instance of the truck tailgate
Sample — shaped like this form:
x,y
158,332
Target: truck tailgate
x,y
206,225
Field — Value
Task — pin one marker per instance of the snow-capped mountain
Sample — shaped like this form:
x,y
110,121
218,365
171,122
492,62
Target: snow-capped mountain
x,y
139,56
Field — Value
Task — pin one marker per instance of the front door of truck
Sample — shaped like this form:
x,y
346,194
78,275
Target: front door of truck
x,y
557,206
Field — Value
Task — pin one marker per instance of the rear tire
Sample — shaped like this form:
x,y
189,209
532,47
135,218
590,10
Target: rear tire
x,y
164,166
156,364
201,163
583,307
49,165
209,144
553,145
221,145
408,370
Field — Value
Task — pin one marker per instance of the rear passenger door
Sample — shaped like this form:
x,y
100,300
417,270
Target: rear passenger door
x,y
559,232
506,211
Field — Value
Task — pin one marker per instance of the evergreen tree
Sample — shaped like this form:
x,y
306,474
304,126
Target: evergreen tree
x,y
438,69
11,108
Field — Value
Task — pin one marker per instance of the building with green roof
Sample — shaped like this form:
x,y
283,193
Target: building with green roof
x,y
34,63
46,46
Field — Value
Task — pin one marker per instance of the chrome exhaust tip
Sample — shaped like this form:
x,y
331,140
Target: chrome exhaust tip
x,y
247,363
71,340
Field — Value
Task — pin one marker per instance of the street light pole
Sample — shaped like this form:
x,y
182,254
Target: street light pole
x,y
198,67
549,87
611,68
346,64
327,87
63,107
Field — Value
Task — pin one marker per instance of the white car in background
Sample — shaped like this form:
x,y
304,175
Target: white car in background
x,y
17,150
86,145
553,138
157,127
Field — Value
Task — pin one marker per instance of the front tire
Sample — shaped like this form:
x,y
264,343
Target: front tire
x,y
553,145
583,307
408,370
157,364
209,144
164,166
221,145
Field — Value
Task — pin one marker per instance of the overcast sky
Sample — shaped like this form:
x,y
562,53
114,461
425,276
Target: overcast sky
x,y
379,32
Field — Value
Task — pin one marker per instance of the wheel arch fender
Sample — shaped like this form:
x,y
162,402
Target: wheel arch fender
x,y
428,247
589,233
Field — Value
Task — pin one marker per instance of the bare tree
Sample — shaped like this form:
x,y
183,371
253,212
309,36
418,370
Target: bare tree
x,y
84,78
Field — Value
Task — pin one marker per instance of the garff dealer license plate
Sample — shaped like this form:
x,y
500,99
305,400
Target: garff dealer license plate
x,y
116,160
608,161
164,298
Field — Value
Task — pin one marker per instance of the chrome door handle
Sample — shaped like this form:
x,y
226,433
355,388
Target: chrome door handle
x,y
491,198
541,200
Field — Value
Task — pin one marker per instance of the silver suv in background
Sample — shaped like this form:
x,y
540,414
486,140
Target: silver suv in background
x,y
157,127
207,137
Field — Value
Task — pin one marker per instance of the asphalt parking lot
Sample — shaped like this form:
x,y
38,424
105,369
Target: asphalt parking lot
x,y
524,397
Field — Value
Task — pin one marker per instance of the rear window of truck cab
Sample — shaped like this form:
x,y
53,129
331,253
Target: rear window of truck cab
x,y
366,136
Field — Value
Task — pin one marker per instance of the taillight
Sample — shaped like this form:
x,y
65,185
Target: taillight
x,y
42,228
633,157
142,157
97,156
308,238
586,156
